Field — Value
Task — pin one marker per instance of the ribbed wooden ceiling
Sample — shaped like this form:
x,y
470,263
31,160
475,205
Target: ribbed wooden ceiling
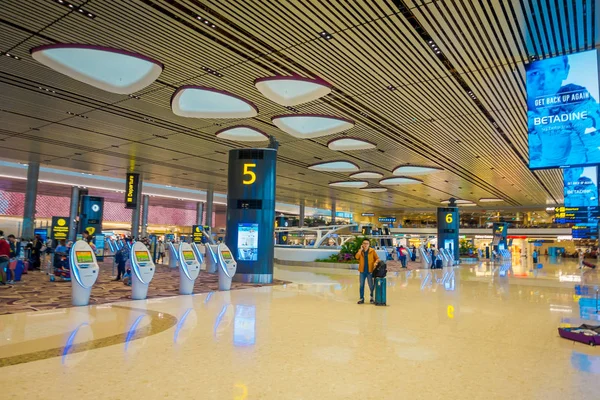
x,y
462,110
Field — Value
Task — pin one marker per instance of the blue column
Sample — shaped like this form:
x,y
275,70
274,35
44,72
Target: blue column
x,y
33,172
447,229
251,212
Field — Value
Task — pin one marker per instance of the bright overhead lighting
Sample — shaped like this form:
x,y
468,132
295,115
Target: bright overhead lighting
x,y
374,190
457,201
242,133
350,143
467,205
402,180
113,70
366,175
414,170
292,90
350,184
335,166
205,102
490,200
308,126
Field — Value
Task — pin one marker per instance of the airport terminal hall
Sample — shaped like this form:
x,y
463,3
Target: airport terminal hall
x,y
299,199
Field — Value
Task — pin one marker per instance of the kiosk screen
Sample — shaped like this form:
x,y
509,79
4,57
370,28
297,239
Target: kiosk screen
x,y
84,257
142,256
226,255
188,255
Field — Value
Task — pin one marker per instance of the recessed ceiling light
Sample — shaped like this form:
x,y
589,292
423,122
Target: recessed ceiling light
x,y
402,180
325,35
334,166
415,170
350,184
366,175
204,102
113,70
308,126
292,90
242,133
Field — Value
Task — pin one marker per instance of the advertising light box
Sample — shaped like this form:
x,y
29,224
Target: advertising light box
x,y
247,242
581,187
563,114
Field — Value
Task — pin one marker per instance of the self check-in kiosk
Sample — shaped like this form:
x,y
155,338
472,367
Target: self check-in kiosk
x,y
199,255
173,255
142,270
84,271
189,268
227,266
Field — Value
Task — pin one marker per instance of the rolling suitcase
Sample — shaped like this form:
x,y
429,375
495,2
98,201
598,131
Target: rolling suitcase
x,y
588,264
18,271
380,291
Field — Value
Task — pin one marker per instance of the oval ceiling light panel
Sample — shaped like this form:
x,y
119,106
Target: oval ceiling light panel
x,y
113,70
490,200
350,143
401,180
350,184
204,102
366,175
334,166
415,170
292,90
374,190
456,201
242,133
308,126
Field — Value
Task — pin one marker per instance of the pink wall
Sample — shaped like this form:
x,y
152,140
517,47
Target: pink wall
x,y
11,204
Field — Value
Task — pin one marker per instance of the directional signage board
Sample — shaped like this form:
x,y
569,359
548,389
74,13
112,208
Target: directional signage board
x,y
585,231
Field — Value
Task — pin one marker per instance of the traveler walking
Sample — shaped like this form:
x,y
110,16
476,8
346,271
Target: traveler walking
x,y
160,254
534,255
413,256
403,254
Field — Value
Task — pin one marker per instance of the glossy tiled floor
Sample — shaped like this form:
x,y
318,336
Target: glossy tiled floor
x,y
477,332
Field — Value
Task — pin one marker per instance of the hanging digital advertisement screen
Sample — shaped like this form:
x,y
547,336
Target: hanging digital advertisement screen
x,y
581,186
247,242
563,115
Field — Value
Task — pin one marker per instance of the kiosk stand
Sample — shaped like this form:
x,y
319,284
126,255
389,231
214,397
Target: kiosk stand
x,y
142,271
173,255
84,271
189,268
199,255
227,267
212,258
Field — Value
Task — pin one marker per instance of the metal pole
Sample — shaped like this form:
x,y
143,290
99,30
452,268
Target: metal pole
x,y
73,213
33,172
135,215
146,201
199,211
209,207
333,212
302,211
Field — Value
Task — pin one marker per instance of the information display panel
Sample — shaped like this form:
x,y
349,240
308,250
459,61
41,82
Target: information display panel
x,y
84,257
581,187
247,242
563,112
142,256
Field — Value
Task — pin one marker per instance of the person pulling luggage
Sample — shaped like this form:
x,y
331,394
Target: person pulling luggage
x,y
367,258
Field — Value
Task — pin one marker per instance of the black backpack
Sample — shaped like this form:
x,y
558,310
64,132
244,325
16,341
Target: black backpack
x,y
380,270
